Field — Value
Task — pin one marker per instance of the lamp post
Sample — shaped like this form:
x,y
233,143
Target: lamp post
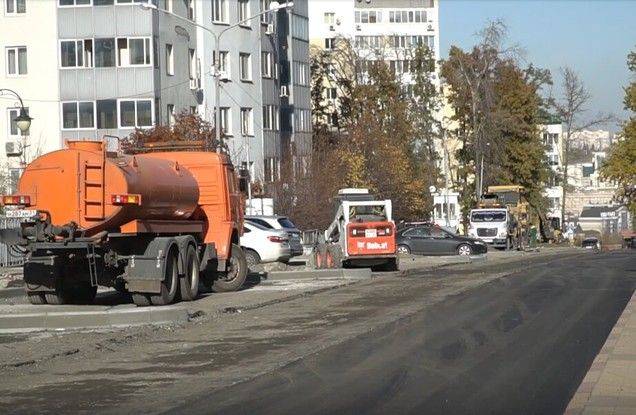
x,y
274,6
23,122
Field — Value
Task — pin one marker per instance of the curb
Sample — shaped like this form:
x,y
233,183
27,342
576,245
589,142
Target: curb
x,y
319,274
13,292
103,319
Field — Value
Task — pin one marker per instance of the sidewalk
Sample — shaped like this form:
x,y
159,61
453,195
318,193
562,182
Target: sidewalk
x,y
610,385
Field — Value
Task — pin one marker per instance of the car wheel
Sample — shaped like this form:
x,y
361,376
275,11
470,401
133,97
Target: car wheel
x,y
403,250
464,250
252,258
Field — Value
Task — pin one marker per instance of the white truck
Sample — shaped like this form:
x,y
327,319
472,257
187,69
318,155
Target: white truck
x,y
494,226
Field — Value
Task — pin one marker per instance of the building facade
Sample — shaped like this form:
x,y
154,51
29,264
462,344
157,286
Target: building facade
x,y
552,135
94,68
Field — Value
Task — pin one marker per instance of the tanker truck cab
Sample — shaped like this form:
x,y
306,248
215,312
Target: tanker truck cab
x,y
155,223
361,234
491,225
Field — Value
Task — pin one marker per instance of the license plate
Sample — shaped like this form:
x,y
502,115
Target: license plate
x,y
370,233
21,213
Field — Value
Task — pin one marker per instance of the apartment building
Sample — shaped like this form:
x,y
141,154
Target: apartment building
x,y
552,136
92,68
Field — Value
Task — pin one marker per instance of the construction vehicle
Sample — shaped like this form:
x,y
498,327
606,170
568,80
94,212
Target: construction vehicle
x,y
501,217
362,234
152,223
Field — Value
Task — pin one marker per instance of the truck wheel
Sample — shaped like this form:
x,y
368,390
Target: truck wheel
x,y
170,281
234,277
141,299
36,298
252,258
57,297
189,282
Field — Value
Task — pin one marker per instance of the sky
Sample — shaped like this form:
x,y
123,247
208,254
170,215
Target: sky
x,y
591,36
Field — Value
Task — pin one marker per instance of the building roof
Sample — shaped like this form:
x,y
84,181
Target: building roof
x,y
596,211
546,118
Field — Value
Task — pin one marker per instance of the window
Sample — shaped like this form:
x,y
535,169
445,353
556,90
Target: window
x,y
300,27
14,7
170,114
193,69
224,63
219,11
332,93
134,51
371,16
244,11
271,169
247,122
12,114
330,18
16,60
266,17
107,114
169,60
63,3
193,110
78,115
330,43
135,113
190,6
105,56
76,53
169,5
301,73
267,65
245,66
226,122
103,2
270,117
404,16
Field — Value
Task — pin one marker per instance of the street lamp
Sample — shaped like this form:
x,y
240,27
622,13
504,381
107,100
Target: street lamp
x,y
23,121
273,7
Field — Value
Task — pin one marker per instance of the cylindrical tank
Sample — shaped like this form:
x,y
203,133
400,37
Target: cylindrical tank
x,y
77,184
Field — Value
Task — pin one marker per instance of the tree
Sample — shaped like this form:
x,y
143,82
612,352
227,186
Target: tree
x,y
187,128
620,166
571,108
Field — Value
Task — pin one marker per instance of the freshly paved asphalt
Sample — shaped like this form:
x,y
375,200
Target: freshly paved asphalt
x,y
518,345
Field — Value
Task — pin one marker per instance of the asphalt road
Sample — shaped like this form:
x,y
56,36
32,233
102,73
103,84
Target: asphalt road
x,y
516,345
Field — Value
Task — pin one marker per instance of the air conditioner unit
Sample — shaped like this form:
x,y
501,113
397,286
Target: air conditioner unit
x,y
358,27
338,22
12,149
332,28
430,28
270,29
284,91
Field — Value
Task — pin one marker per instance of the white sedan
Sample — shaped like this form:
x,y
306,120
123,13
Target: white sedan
x,y
262,245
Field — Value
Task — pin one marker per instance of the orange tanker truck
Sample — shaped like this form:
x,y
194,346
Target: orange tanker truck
x,y
151,224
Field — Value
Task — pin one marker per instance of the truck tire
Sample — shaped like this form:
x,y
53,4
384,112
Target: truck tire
x,y
236,274
36,298
189,282
141,299
58,297
170,282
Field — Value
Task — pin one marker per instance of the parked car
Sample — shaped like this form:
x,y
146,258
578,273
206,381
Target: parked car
x,y
430,239
262,245
591,243
281,223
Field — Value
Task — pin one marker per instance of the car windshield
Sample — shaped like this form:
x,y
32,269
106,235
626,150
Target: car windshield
x,y
367,213
488,216
286,223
